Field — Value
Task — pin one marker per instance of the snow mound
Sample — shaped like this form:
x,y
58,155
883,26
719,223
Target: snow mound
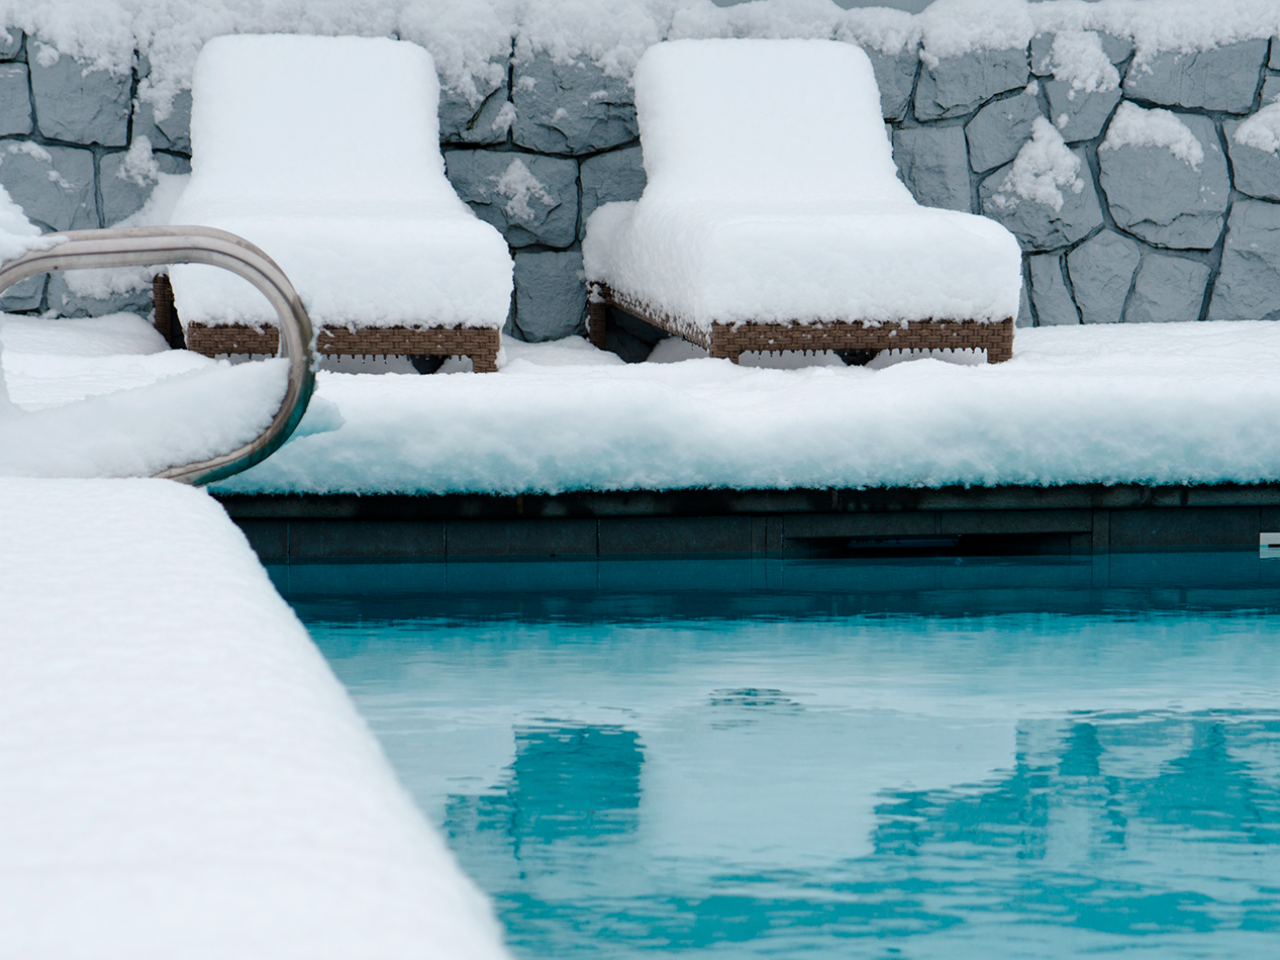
x,y
1079,59
1134,127
772,195
1261,131
183,775
325,153
1043,166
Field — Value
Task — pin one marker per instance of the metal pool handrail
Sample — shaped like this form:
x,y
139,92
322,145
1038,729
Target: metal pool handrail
x,y
147,246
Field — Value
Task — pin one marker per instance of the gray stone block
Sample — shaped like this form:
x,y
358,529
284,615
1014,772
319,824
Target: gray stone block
x,y
616,175
530,199
171,133
1053,302
1168,289
483,121
26,295
551,294
998,131
1163,199
1248,285
10,43
1101,272
933,163
1257,172
53,185
15,100
123,195
571,108
1271,89
1083,116
1038,226
1024,309
68,304
77,104
1225,78
958,85
895,76
1274,62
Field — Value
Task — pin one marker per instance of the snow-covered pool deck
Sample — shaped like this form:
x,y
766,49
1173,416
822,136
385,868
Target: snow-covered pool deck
x,y
1186,403
183,775
1189,403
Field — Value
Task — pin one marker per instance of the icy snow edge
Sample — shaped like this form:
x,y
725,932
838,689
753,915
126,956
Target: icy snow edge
x,y
471,42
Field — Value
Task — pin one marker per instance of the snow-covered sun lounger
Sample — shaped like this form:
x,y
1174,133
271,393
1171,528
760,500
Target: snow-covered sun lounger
x,y
325,152
773,218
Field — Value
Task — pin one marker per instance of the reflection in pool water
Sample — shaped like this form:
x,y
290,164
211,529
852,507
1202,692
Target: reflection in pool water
x,y
949,773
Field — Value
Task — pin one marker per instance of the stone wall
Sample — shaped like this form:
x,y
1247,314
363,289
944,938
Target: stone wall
x,y
1135,233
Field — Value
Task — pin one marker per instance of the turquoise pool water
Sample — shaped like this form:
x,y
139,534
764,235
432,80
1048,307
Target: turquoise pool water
x,y
914,759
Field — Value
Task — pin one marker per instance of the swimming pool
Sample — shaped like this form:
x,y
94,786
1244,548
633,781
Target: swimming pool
x,y
918,758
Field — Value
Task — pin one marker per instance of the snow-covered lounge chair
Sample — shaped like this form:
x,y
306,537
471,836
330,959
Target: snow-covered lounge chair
x,y
773,218
325,153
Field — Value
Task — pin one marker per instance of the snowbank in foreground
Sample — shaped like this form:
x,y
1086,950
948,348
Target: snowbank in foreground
x,y
1145,403
183,776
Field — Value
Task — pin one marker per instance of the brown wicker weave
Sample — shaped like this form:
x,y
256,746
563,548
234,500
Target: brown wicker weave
x,y
479,343
731,341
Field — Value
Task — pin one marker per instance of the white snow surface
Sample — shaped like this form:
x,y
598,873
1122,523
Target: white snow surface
x,y
1261,131
17,233
324,152
183,775
1079,59
1043,167
470,41
772,195
107,398
1143,403
1134,127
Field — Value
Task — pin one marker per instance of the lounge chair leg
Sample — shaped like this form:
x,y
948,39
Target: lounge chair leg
x,y
166,316
484,362
857,358
426,364
597,317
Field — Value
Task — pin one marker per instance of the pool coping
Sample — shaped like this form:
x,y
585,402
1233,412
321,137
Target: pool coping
x,y
774,524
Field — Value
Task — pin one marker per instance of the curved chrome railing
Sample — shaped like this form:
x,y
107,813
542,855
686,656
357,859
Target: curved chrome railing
x,y
148,246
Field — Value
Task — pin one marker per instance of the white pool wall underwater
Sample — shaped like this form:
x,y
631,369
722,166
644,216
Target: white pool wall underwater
x,y
183,775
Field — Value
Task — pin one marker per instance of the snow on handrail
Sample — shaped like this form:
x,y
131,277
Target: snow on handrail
x,y
148,246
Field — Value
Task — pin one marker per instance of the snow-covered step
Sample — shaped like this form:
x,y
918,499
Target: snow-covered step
x,y
182,774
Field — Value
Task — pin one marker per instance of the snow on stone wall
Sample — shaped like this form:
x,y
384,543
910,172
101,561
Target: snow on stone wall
x,y
1139,170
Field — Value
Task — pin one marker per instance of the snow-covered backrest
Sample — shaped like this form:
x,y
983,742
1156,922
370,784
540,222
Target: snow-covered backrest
x,y
763,120
316,126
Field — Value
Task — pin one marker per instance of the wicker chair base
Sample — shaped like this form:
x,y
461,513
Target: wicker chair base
x,y
728,340
479,343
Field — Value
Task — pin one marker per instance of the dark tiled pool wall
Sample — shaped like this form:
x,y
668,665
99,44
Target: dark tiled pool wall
x,y
765,525
1147,237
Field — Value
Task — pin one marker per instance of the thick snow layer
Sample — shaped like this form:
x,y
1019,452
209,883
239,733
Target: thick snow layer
x,y
1079,59
1134,127
106,398
470,41
1043,167
1261,131
772,195
1142,403
183,776
325,153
